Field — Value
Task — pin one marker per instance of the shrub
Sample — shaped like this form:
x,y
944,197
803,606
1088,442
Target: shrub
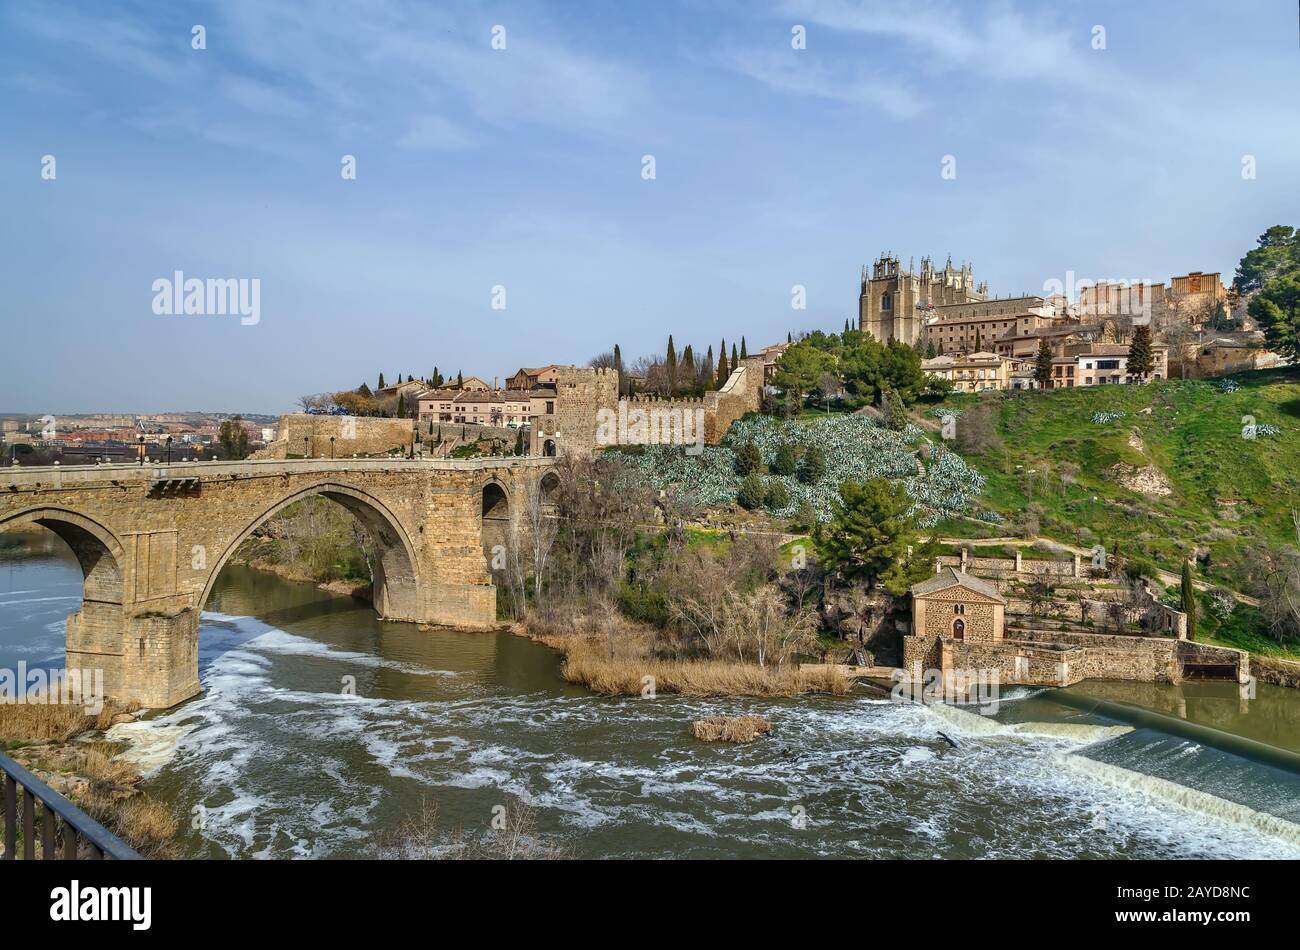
x,y
752,492
777,496
814,465
640,602
748,459
784,463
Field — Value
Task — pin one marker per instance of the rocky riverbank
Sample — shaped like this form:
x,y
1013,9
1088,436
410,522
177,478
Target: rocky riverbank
x,y
67,749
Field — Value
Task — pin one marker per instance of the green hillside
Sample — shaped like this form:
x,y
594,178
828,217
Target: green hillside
x,y
1057,466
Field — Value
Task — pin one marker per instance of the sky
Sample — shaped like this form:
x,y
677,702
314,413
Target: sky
x,y
1103,139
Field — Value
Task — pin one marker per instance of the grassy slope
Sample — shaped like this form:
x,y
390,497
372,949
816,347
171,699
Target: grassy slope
x,y
1228,491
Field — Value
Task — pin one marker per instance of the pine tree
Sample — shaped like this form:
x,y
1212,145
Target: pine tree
x,y
930,351
1189,599
1043,365
1141,358
868,533
743,353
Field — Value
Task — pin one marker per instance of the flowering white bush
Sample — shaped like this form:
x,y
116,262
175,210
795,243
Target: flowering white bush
x,y
1228,385
1102,418
856,450
1267,429
938,412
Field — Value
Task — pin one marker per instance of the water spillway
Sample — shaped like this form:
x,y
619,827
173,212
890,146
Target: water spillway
x,y
1173,725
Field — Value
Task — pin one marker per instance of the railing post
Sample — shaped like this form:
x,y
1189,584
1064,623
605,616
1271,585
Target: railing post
x,y
29,825
11,818
47,834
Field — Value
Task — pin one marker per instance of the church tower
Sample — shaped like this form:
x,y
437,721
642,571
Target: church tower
x,y
894,304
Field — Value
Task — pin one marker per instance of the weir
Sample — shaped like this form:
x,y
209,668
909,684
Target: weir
x,y
1205,735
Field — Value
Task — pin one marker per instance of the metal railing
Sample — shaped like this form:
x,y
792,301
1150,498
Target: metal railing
x,y
61,823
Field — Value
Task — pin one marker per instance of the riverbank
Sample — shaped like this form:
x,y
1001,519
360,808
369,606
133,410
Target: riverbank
x,y
66,748
621,662
358,590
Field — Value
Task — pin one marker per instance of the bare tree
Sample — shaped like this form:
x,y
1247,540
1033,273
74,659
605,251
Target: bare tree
x,y
541,529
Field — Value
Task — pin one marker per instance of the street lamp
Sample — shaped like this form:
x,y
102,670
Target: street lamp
x,y
331,448
140,439
306,451
169,450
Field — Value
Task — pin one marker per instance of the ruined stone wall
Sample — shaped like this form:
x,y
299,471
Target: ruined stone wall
x,y
353,435
1114,656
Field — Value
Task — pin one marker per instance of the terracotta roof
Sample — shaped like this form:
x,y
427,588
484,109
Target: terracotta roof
x,y
951,577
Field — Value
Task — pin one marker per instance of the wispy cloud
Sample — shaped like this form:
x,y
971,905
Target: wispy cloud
x,y
801,75
433,133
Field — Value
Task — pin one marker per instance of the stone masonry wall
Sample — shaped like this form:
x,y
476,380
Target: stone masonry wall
x,y
353,435
582,393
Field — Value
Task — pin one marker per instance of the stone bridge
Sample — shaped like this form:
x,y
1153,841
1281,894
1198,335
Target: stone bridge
x,y
151,541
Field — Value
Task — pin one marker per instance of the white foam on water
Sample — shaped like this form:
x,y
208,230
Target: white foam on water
x,y
149,747
1202,803
1082,732
270,639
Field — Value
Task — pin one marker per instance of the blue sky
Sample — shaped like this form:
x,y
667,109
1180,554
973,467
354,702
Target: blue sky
x,y
522,167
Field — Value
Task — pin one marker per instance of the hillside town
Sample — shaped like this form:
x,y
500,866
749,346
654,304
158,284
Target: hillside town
x,y
1191,327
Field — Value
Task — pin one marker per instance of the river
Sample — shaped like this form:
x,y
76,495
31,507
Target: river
x,y
322,728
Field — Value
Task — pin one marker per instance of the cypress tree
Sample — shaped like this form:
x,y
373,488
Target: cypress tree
x,y
381,380
743,354
671,365
1189,599
723,372
735,361
1141,358
1043,365
460,380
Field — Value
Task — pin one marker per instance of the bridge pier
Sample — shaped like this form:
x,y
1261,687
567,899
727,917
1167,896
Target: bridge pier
x,y
149,657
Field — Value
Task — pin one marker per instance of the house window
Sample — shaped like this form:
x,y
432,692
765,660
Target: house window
x,y
959,608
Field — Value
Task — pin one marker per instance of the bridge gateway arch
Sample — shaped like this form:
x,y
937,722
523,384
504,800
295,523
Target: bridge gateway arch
x,y
152,540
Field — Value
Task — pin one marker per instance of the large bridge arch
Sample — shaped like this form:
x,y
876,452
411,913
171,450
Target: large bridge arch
x,y
98,551
95,637
396,578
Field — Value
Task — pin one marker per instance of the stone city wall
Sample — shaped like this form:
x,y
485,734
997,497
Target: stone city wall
x,y
353,435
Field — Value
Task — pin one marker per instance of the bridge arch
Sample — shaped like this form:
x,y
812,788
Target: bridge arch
x,y
396,580
97,549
